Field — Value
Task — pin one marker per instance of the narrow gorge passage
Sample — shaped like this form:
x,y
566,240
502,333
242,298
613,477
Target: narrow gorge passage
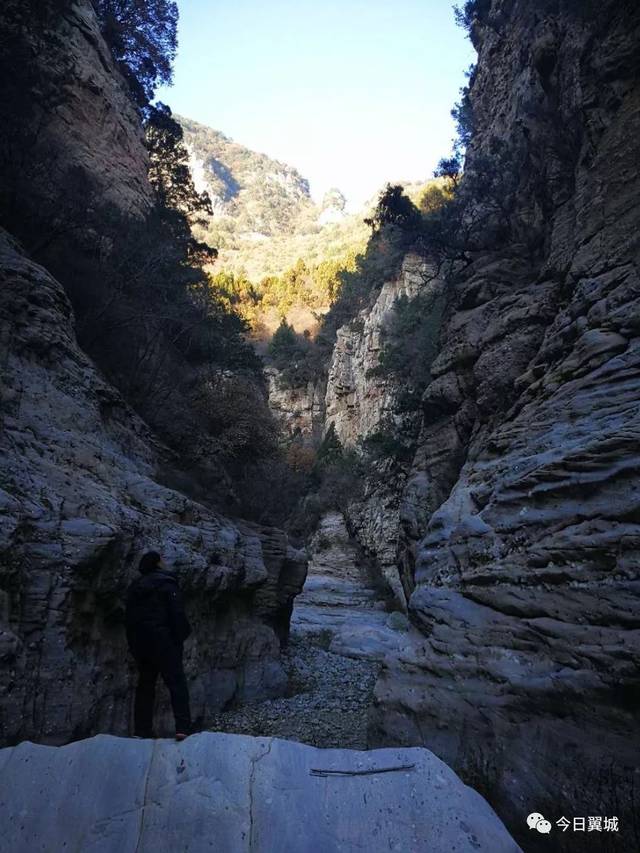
x,y
320,399
327,703
342,626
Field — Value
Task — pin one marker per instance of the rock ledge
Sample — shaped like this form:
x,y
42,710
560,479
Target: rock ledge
x,y
225,792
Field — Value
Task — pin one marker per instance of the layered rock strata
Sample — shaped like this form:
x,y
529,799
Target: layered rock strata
x,y
522,506
340,594
79,502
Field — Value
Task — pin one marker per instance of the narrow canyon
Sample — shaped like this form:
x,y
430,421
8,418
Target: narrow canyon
x,y
414,538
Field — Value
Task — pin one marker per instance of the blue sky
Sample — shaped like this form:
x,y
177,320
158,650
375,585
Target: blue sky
x,y
353,93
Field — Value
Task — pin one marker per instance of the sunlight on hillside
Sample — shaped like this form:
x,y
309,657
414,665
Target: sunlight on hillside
x,y
280,255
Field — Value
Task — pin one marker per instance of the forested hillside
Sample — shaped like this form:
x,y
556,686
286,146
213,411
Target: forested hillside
x,y
261,195
264,217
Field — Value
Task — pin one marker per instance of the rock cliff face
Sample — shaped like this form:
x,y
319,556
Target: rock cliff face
x,y
339,589
522,507
354,398
518,524
359,402
82,134
80,474
237,794
299,410
80,501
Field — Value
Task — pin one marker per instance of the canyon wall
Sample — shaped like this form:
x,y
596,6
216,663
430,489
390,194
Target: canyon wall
x,y
80,502
522,505
81,475
298,410
360,401
72,128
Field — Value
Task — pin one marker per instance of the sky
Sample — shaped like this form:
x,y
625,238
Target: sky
x,y
352,94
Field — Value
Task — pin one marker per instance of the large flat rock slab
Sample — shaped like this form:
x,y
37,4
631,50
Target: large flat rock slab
x,y
235,793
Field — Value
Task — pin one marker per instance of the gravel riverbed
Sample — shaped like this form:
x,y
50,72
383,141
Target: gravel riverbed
x,y
328,706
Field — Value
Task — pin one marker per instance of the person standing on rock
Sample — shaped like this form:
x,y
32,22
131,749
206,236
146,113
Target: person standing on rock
x,y
157,627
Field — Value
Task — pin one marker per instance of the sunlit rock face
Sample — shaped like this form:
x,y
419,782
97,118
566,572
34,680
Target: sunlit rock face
x,y
88,151
298,409
80,501
361,401
352,398
522,506
357,401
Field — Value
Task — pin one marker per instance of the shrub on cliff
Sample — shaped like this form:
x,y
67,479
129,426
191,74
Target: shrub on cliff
x,y
142,36
433,198
394,208
269,491
410,341
396,226
169,170
293,355
471,12
330,450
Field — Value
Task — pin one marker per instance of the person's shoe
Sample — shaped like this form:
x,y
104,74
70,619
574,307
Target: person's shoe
x,y
181,736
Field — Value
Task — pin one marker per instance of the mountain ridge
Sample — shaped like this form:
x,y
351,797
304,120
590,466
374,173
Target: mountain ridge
x,y
265,219
245,184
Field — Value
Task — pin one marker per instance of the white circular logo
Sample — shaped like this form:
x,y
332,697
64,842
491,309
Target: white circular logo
x,y
537,821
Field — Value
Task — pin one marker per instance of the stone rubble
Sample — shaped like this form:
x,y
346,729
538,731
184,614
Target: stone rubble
x,y
327,704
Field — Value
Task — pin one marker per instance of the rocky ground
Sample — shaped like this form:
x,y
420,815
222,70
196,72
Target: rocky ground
x,y
238,793
330,695
340,634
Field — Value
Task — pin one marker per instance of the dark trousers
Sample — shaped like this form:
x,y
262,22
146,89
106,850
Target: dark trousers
x,y
167,662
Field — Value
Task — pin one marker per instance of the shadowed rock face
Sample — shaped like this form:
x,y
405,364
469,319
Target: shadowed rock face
x,y
526,481
80,492
236,793
79,502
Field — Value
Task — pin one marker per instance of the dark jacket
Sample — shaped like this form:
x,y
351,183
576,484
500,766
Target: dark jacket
x,y
155,612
